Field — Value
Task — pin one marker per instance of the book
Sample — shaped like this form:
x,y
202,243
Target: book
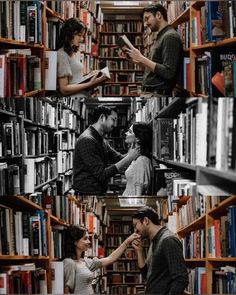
x,y
123,42
89,76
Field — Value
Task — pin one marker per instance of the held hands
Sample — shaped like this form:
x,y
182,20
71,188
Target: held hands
x,y
132,238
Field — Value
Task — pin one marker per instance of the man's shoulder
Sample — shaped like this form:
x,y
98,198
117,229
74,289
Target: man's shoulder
x,y
171,32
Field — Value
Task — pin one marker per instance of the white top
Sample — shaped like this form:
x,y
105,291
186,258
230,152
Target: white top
x,y
139,172
78,276
71,67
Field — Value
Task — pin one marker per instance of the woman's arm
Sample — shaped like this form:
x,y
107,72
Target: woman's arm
x,y
70,89
119,251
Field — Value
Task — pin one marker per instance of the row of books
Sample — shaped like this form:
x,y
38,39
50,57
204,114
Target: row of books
x,y
132,90
9,179
10,138
123,26
215,72
122,65
124,279
223,280
19,74
23,233
125,289
189,140
23,279
21,21
123,266
194,244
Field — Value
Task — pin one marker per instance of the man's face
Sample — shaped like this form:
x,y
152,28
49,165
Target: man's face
x,y
140,228
151,21
110,122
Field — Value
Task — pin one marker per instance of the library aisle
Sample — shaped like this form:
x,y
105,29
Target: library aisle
x,y
185,172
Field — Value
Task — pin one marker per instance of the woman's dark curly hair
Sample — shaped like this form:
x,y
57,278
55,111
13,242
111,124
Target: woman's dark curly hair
x,y
144,133
69,29
72,234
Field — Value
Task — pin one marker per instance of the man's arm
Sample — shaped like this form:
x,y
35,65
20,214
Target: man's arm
x,y
173,252
171,54
88,150
137,245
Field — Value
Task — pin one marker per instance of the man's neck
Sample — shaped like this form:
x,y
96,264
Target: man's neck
x,y
154,231
162,26
99,129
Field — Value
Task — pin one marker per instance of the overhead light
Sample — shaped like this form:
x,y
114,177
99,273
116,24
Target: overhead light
x,y
126,3
132,201
106,99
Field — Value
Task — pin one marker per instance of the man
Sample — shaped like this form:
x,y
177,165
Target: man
x,y
164,267
93,155
163,66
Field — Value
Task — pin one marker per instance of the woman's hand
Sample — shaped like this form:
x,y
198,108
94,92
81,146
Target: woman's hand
x,y
132,238
97,80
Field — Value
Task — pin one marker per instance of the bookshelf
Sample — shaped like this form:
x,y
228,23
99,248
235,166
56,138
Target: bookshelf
x,y
126,77
123,276
207,243
193,180
37,139
202,49
28,36
21,235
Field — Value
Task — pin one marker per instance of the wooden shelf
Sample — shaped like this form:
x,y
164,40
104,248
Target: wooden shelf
x,y
18,44
8,114
224,175
183,17
45,183
20,257
195,224
19,202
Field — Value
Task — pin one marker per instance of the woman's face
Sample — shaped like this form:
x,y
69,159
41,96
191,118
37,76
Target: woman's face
x,y
84,243
130,136
77,39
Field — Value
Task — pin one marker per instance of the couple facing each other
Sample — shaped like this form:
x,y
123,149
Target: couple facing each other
x,y
95,161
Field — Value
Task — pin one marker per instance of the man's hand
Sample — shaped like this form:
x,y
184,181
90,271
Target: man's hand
x,y
134,153
137,244
135,54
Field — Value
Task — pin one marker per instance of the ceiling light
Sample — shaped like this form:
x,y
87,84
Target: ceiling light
x,y
111,99
126,3
132,201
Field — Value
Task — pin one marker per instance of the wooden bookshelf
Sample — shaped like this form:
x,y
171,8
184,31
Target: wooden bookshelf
x,y
115,59
52,223
126,265
205,222
45,18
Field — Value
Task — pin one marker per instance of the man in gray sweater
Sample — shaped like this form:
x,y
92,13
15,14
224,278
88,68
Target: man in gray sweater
x,y
164,267
163,65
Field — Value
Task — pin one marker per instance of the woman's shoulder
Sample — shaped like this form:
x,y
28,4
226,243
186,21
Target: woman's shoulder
x,y
68,261
143,159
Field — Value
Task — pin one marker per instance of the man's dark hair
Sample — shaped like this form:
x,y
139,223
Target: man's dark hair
x,y
154,8
70,28
102,110
148,212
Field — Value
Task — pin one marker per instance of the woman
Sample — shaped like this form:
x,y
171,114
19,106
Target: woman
x,y
138,174
78,270
69,64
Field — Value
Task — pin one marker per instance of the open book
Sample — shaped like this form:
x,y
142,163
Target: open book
x,y
123,42
90,75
